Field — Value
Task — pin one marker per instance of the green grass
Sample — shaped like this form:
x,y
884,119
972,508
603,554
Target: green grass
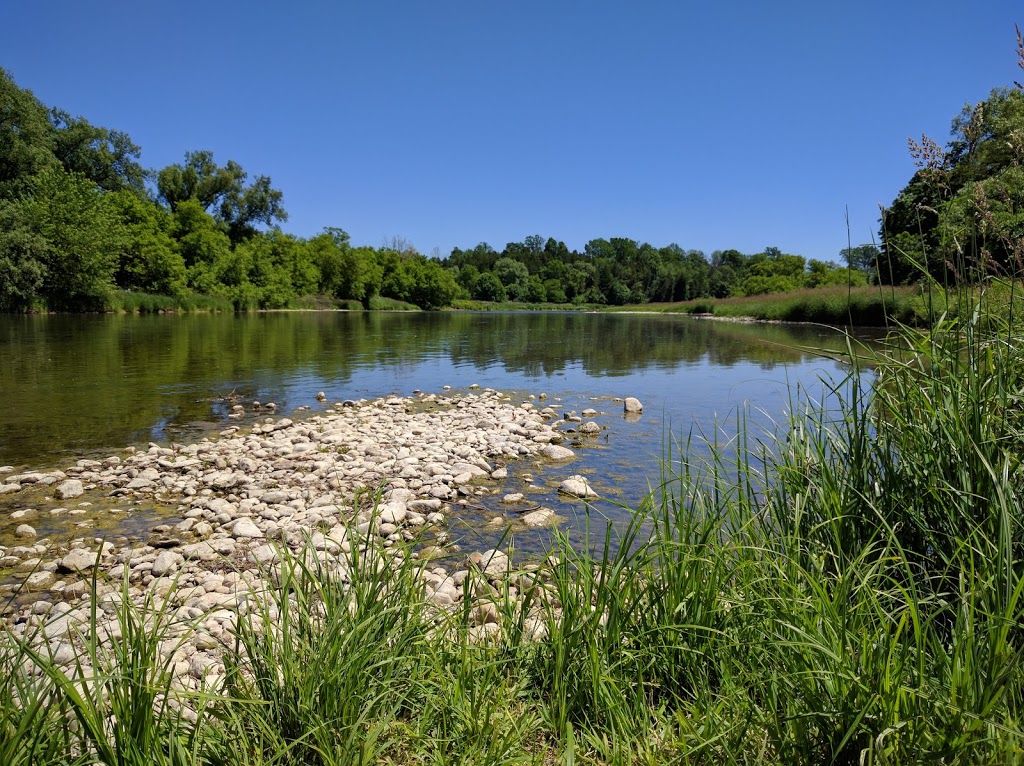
x,y
130,302
876,306
859,306
475,305
324,303
847,590
380,303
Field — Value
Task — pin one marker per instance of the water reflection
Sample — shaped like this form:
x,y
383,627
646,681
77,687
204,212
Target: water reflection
x,y
78,384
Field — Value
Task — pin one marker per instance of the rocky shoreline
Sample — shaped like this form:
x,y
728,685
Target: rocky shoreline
x,y
374,475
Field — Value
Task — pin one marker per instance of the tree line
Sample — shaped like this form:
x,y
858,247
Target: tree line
x,y
82,220
620,271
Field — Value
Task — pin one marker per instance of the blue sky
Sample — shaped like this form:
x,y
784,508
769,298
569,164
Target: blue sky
x,y
713,125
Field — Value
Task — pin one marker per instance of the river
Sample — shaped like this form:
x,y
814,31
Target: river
x,y
85,386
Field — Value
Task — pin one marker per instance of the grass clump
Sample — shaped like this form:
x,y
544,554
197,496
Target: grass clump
x,y
466,304
133,302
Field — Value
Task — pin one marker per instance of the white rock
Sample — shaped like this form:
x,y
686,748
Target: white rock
x,y
24,530
631,404
39,580
542,517
166,562
393,512
577,486
202,551
246,527
554,452
78,560
69,489
264,554
493,562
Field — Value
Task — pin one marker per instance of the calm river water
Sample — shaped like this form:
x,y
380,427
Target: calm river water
x,y
84,385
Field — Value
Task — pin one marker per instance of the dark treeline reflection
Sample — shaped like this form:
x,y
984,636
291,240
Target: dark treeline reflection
x,y
541,344
80,383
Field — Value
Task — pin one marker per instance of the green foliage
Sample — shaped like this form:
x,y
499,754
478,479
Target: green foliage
x,y
771,272
222,191
433,286
514,276
150,260
487,287
415,279
987,217
83,235
960,216
26,137
23,256
108,158
203,246
345,272
535,290
862,258
837,305
554,292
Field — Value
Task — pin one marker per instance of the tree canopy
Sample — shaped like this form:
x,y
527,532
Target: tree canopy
x,y
223,192
82,220
961,216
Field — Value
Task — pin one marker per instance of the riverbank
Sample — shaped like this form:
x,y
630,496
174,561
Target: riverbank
x,y
875,306
849,592
390,468
836,306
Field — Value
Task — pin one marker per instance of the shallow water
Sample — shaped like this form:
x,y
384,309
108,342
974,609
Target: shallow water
x,y
75,386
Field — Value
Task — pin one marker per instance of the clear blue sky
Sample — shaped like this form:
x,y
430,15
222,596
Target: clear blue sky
x,y
712,125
